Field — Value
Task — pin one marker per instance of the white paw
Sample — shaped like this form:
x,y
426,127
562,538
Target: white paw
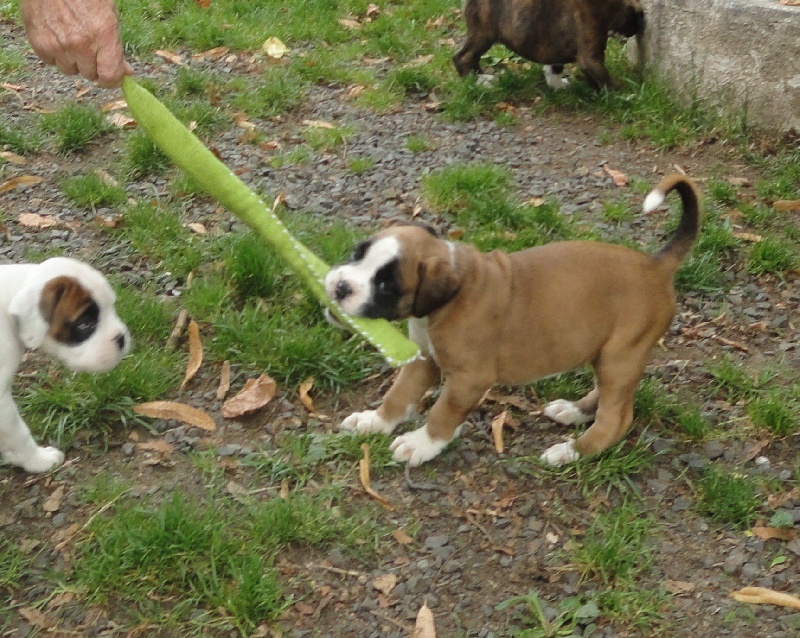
x,y
554,80
367,421
43,460
416,447
560,454
487,80
566,413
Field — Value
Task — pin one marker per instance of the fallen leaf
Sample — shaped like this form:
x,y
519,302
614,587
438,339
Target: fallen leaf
x,y
274,48
769,533
747,236
425,626
620,178
195,353
115,105
170,56
679,587
211,54
787,205
373,11
173,410
497,431
35,617
790,3
53,502
764,596
284,491
109,221
197,228
363,472
235,489
419,61
13,158
305,399
401,537
535,202
22,180
39,222
120,120
318,124
739,181
224,380
242,122
349,23
355,90
16,88
384,583
157,445
203,4
254,396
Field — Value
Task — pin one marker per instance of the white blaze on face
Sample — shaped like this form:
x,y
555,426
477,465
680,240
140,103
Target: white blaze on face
x,y
351,284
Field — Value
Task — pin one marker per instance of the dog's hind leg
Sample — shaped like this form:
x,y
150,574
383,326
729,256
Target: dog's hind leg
x,y
617,381
401,400
17,444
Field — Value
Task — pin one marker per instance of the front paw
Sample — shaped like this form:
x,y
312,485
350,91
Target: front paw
x,y
43,460
560,454
416,447
367,421
566,413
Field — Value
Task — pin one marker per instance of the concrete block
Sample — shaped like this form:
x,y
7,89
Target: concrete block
x,y
731,54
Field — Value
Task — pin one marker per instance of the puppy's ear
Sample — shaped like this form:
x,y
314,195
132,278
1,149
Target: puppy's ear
x,y
436,285
32,309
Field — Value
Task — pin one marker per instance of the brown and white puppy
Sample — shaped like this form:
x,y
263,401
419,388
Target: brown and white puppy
x,y
486,318
62,307
550,33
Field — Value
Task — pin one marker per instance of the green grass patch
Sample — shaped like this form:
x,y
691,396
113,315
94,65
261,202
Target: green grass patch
x,y
772,255
775,411
727,498
92,191
21,139
419,144
142,157
279,91
74,127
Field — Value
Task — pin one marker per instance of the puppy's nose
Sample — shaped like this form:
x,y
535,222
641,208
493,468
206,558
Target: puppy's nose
x,y
342,290
120,340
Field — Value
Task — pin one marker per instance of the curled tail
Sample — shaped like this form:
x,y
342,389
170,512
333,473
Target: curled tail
x,y
679,246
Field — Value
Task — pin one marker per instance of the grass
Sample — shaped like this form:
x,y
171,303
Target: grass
x,y
74,127
727,498
92,191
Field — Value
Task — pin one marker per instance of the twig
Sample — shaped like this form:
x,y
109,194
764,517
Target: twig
x,y
336,570
69,538
407,628
39,477
177,331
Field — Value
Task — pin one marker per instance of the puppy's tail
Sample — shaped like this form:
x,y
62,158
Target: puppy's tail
x,y
674,252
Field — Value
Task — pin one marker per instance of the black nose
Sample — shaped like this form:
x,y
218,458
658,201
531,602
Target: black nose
x,y
120,340
343,289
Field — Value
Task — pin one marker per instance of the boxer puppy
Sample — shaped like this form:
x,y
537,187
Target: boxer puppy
x,y
486,318
64,308
550,33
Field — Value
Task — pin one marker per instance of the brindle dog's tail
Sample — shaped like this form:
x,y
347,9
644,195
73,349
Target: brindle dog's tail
x,y
674,252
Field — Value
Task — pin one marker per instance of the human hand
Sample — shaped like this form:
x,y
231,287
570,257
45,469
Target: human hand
x,y
78,36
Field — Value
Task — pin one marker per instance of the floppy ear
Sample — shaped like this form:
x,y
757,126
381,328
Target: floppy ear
x,y
32,308
436,285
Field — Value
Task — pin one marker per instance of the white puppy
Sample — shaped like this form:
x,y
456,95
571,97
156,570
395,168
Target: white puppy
x,y
62,307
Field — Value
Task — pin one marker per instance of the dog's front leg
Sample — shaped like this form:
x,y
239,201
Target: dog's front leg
x,y
17,444
401,400
460,395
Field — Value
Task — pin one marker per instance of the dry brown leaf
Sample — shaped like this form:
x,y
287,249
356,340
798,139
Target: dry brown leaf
x,y
305,399
235,489
13,158
679,587
620,178
21,180
373,11
170,56
349,23
211,54
790,3
109,221
274,48
35,617
224,380
401,537
37,221
254,396
178,411
747,236
355,90
768,533
114,105
318,124
284,491
425,626
363,473
157,445
120,120
53,502
787,205
497,431
203,4
385,583
764,596
195,353
16,88
197,228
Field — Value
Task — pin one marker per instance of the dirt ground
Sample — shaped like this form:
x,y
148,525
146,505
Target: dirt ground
x,y
490,526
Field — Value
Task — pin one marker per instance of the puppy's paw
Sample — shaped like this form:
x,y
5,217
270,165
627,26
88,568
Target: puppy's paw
x,y
554,80
416,447
367,421
560,454
43,460
566,413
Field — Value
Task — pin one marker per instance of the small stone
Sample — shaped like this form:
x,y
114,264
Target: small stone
x,y
440,540
713,450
